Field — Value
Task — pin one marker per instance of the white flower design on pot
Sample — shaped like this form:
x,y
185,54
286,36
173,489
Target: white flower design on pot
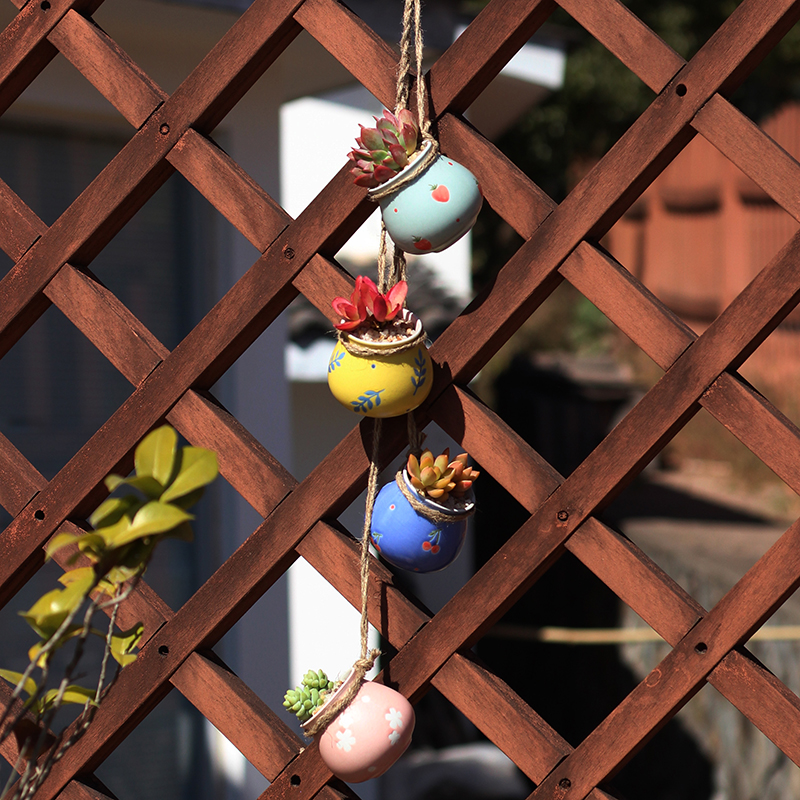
x,y
346,740
394,718
346,719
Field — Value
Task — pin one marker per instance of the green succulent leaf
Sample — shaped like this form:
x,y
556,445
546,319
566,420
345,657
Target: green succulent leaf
x,y
156,455
198,467
152,518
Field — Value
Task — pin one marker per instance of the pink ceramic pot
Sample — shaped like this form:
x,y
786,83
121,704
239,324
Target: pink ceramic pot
x,y
369,735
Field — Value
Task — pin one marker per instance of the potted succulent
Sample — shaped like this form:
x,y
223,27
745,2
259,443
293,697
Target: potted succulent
x,y
366,736
380,366
427,203
420,519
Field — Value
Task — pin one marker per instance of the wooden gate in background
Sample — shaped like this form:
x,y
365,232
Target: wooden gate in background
x,y
172,133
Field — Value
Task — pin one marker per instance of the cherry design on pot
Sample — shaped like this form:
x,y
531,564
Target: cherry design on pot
x,y
421,244
432,546
440,193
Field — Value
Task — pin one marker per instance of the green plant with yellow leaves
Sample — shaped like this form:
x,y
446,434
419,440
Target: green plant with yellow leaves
x,y
149,506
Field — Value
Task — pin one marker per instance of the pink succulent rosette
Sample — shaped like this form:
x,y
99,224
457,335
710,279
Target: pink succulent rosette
x,y
368,736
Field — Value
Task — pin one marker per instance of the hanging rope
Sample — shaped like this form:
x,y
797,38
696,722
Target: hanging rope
x,y
429,149
412,28
366,658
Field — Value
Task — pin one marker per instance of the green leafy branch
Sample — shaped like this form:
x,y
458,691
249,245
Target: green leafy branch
x,y
151,506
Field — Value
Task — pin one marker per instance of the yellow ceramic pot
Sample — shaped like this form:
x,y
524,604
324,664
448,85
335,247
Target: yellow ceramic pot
x,y
379,385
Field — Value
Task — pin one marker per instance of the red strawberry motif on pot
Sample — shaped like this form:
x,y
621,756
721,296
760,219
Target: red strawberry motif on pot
x,y
440,193
421,244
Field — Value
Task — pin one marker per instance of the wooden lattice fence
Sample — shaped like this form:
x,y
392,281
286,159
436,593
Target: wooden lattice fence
x,y
172,133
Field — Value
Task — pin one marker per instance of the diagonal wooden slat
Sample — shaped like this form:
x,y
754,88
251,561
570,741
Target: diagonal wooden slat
x,y
140,167
629,39
699,371
24,49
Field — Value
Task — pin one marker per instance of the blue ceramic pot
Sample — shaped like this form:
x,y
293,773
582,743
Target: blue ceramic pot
x,y
408,539
435,209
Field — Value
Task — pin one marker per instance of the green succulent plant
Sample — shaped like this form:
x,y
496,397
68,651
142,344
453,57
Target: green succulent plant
x,y
438,478
307,698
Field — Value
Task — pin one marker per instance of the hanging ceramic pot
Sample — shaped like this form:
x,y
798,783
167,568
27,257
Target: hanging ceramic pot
x,y
423,537
369,735
376,378
434,205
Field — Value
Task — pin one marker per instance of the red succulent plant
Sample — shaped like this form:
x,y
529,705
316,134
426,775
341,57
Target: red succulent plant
x,y
385,149
367,304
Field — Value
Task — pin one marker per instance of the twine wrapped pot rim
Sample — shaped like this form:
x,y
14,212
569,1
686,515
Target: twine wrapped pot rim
x,y
369,348
425,156
435,512
341,697
320,720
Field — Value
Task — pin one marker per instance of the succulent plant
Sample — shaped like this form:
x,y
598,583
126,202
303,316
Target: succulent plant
x,y
385,149
438,478
307,698
367,304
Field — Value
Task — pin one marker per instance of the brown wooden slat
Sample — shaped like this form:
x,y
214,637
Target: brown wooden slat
x,y
229,189
19,226
140,167
236,711
554,244
628,304
740,612
219,338
759,426
630,445
752,150
476,58
775,712
357,48
494,708
218,694
24,49
106,322
513,195
630,40
107,67
15,489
